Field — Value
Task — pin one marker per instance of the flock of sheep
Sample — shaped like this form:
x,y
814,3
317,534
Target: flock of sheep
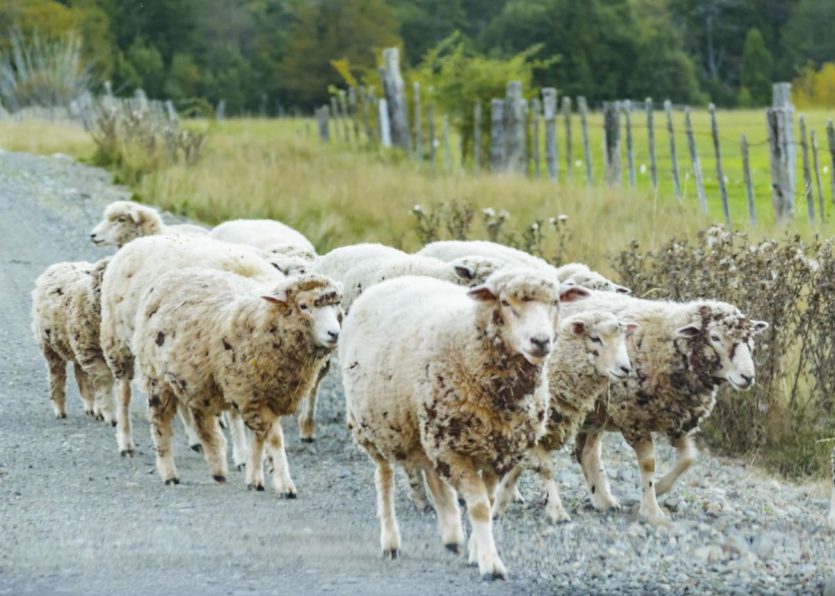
x,y
465,363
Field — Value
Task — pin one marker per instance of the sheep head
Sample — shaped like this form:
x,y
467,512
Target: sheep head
x,y
604,341
316,299
123,221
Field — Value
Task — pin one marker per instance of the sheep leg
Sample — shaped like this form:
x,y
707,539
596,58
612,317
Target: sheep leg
x,y
645,450
417,490
255,466
186,417
214,443
686,451
282,483
590,447
102,379
123,430
307,418
161,408
449,514
238,432
57,368
506,490
482,548
544,467
389,532
85,389
491,483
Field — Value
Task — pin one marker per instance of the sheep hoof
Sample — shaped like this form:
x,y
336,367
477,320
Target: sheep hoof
x,y
99,417
219,479
90,413
307,439
254,486
197,448
61,416
172,481
113,423
391,553
488,577
126,453
289,495
453,547
240,467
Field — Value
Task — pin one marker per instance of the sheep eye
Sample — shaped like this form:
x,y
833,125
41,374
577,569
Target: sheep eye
x,y
505,303
596,340
714,338
121,220
303,306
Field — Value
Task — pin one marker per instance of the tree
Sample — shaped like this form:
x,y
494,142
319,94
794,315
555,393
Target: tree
x,y
330,30
425,23
756,68
183,78
808,36
147,63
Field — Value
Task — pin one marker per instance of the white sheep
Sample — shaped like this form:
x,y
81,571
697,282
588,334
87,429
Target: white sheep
x,y
66,316
451,381
336,263
214,341
578,273
681,353
590,351
266,234
132,271
125,220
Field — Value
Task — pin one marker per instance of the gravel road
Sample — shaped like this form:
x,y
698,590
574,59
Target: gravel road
x,y
77,518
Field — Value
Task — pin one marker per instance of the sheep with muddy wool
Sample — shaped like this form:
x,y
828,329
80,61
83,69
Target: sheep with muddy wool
x,y
681,353
451,381
124,221
66,317
130,273
590,352
215,341
577,273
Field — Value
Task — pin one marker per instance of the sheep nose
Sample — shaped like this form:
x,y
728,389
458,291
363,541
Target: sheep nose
x,y
542,345
333,335
749,380
93,236
626,369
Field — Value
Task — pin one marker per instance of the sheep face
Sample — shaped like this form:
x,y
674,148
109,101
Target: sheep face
x,y
471,271
594,281
605,344
728,342
316,299
123,221
525,308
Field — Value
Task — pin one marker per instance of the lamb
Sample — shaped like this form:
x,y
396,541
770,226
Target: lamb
x,y
213,341
451,381
590,351
66,315
125,220
135,268
266,234
578,273
681,353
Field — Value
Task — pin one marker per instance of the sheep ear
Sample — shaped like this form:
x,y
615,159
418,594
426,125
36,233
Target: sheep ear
x,y
278,267
759,327
481,294
630,327
578,328
279,297
573,293
688,331
136,215
622,290
464,272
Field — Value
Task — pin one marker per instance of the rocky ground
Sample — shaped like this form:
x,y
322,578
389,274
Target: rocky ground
x,y
77,518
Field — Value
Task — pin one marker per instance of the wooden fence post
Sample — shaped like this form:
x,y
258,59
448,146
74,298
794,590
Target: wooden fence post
x,y
515,126
447,154
477,136
630,153
807,171
816,165
584,129
345,117
335,117
781,100
396,100
549,108
430,117
777,168
694,160
220,111
418,128
611,124
385,125
668,109
566,114
723,191
497,135
372,121
352,108
322,123
746,173
536,109
830,136
653,168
